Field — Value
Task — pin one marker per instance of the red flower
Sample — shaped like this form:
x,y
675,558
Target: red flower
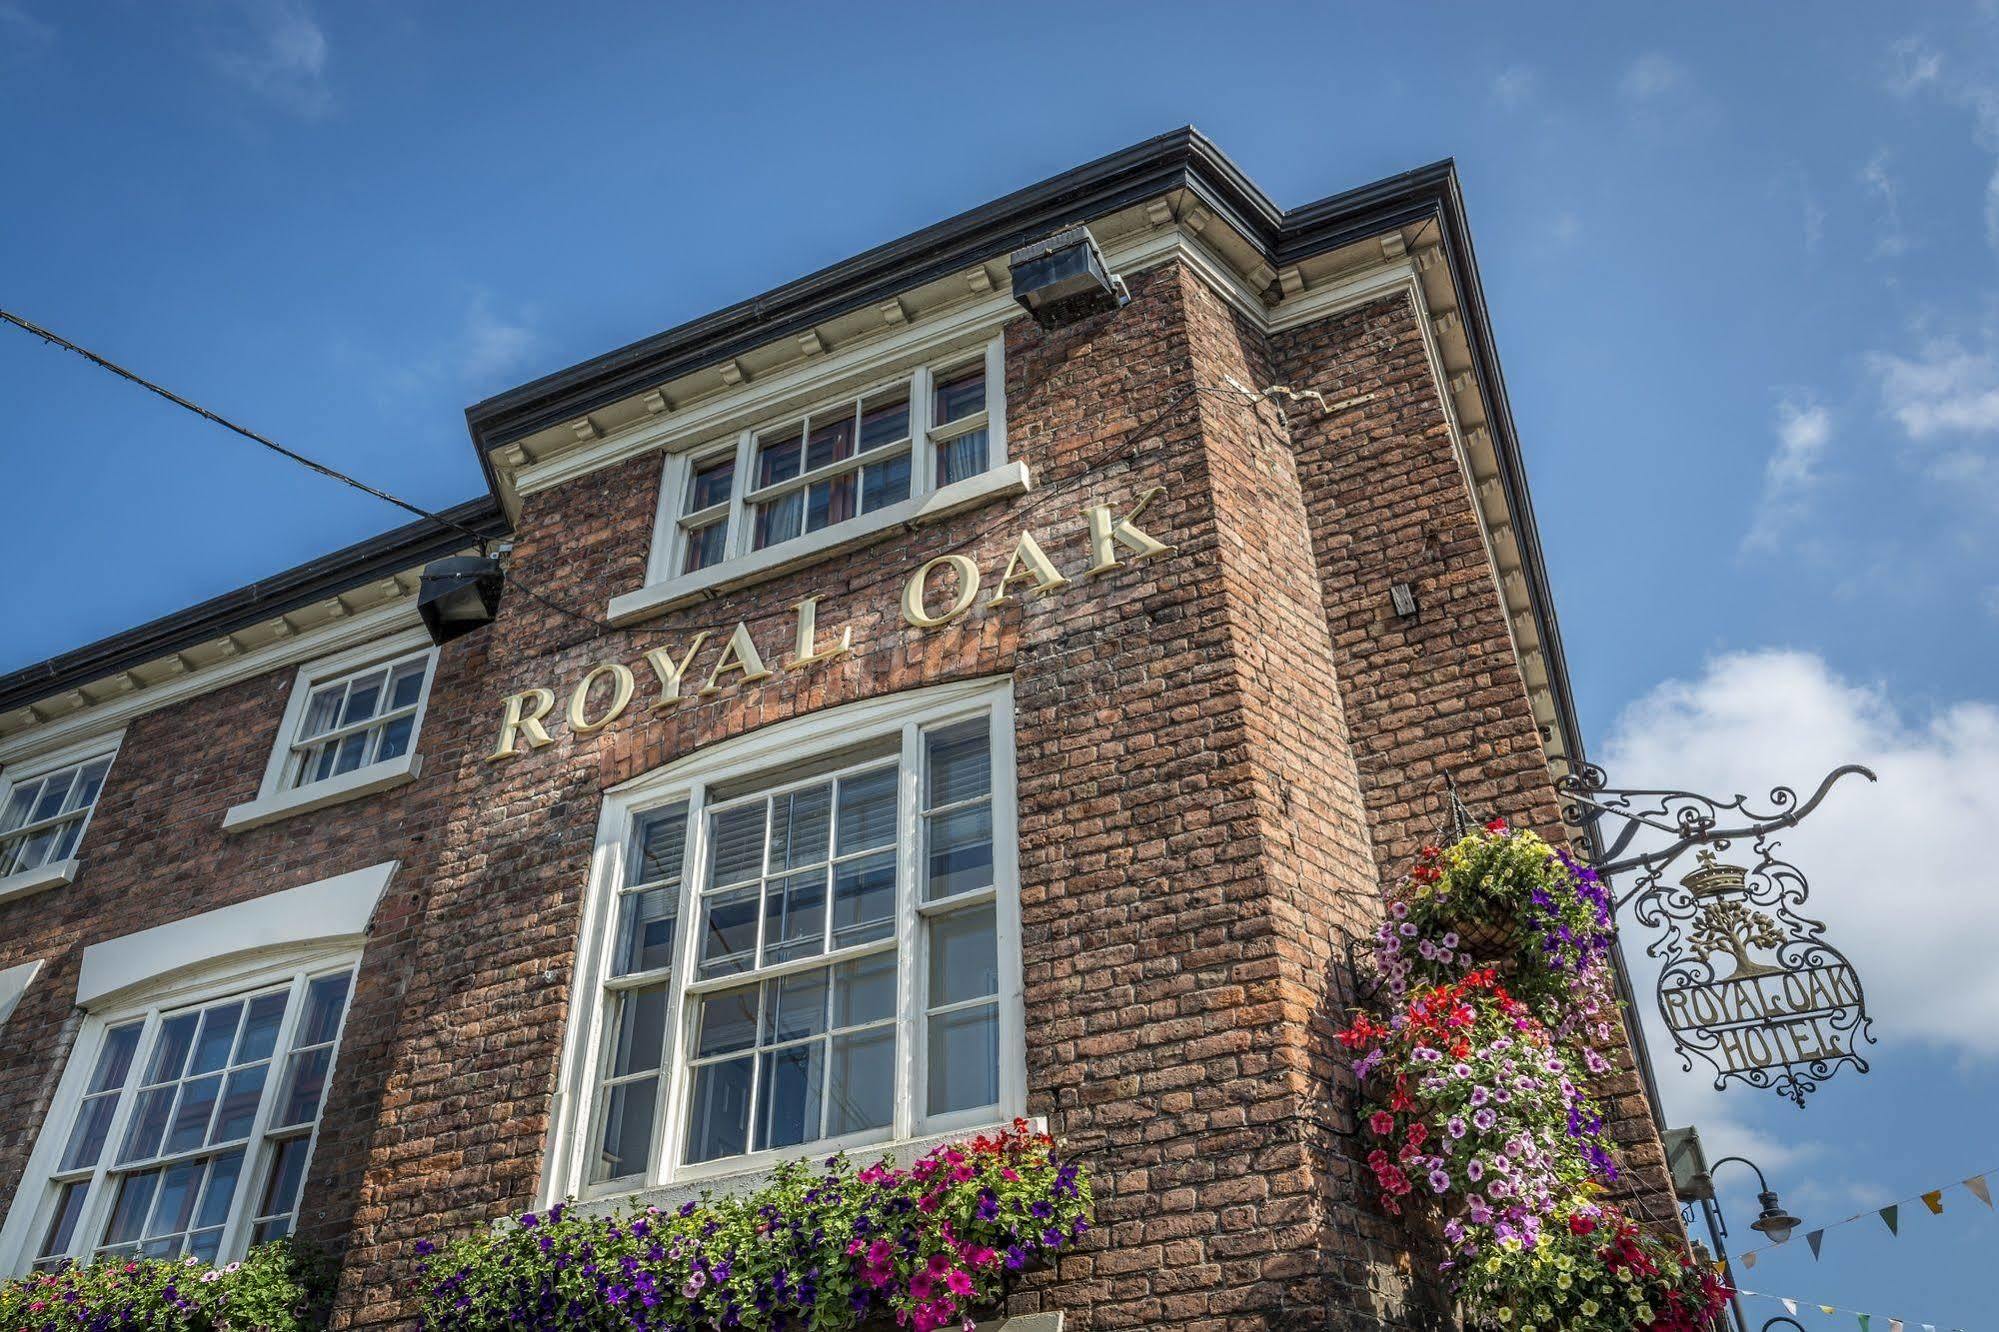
x,y
1497,826
1381,1122
1580,1224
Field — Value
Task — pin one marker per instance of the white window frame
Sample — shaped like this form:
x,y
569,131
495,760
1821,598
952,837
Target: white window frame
x,y
574,1125
34,1203
58,872
275,800
742,564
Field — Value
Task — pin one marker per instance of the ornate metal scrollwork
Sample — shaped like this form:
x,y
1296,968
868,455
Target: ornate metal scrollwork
x,y
1748,983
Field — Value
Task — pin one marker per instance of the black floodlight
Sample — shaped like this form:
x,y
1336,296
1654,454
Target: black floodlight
x,y
458,595
1062,279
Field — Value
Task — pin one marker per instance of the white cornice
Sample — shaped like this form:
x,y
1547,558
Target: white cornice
x,y
328,638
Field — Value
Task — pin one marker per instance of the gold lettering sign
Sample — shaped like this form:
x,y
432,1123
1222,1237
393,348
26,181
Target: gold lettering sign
x,y
1116,540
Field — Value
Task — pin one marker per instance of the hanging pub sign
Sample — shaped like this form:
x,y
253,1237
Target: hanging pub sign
x,y
1748,983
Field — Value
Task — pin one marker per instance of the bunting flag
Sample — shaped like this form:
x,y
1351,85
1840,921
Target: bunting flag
x,y
1816,1238
1892,1215
1978,1185
1894,1325
1934,1201
1979,1190
1790,1306
1866,1320
1749,1260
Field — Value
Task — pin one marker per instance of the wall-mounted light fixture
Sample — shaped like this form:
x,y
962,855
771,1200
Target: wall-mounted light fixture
x,y
1063,279
459,594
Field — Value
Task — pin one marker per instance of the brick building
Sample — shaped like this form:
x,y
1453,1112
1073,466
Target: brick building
x,y
1048,707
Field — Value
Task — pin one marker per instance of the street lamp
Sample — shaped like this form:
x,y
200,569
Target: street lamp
x,y
1773,1221
1781,1319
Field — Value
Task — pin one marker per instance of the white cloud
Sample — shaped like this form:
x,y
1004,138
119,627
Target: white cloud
x,y
492,346
1804,428
1898,870
1514,86
1917,67
1914,64
278,51
1650,77
1944,393
1893,240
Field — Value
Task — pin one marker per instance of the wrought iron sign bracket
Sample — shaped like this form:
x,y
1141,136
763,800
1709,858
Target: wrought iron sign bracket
x,y
1748,983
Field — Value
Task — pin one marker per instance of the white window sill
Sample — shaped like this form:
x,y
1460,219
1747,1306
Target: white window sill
x,y
339,790
1008,479
735,1183
29,882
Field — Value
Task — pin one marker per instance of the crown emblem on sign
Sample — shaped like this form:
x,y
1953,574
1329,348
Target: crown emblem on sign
x,y
1714,879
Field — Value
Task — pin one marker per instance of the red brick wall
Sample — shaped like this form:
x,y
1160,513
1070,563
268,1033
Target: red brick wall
x,y
1441,694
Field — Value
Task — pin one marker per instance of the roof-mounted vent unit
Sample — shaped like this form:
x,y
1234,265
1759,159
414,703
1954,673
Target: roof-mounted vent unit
x,y
459,594
1063,279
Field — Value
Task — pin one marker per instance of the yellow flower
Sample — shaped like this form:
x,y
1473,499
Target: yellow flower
x,y
1645,1314
1590,1308
1505,1315
1564,1281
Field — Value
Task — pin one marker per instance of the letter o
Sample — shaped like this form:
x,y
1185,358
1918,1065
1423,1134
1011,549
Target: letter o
x,y
913,609
621,694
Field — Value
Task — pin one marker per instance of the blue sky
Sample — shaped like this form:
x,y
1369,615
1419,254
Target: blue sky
x,y
1742,271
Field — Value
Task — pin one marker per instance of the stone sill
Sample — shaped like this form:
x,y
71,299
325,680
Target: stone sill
x,y
29,882
1000,482
339,790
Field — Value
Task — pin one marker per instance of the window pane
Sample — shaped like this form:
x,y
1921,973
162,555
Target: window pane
x,y
864,899
777,458
788,1095
728,1022
795,917
658,841
884,419
961,456
736,851
830,441
115,1061
55,789
205,1245
65,842
959,394
18,804
861,1094
799,827
128,1213
706,546
794,1007
867,811
287,1174
710,483
626,1145
960,763
646,931
39,849
964,1059
196,1108
62,1226
239,1103
351,753
266,1231
406,685
320,711
260,1031
173,1208
170,1051
362,696
86,1139
395,739
885,483
84,793
778,519
829,502
864,991
639,1039
729,943
964,957
223,1176
217,1038
719,1118
305,1084
961,851
324,999
149,1124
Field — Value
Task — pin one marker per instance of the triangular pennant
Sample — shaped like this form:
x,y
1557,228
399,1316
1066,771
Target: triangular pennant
x,y
1891,1215
1749,1260
1894,1325
1979,1189
1790,1306
1827,1309
1934,1201
1866,1321
1816,1238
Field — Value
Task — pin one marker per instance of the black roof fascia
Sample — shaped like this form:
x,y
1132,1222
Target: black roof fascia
x,y
379,556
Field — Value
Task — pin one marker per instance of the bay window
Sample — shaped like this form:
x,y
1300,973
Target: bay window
x,y
805,940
